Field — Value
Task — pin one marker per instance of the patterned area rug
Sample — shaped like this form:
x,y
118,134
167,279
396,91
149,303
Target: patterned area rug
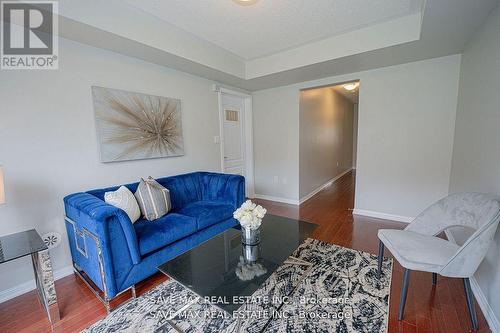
x,y
320,288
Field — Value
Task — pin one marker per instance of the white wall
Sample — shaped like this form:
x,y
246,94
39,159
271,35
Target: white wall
x,y
326,137
276,143
476,156
405,135
48,141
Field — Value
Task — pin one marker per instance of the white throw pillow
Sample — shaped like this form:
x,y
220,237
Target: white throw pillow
x,y
124,199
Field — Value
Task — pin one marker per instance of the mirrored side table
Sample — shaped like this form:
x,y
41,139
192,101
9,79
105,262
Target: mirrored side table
x,y
26,243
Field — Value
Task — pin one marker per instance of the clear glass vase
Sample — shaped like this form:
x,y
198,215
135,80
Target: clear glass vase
x,y
250,236
251,253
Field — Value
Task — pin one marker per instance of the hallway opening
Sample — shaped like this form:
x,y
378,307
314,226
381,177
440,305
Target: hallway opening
x,y
328,127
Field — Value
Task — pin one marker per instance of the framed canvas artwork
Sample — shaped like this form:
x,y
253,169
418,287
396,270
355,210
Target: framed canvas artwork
x,y
132,126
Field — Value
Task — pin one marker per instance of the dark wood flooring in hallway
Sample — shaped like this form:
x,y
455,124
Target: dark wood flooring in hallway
x,y
429,309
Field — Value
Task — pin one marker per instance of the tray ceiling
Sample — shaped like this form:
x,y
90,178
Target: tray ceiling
x,y
270,26
274,42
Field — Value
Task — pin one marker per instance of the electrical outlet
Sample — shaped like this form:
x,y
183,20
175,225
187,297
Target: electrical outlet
x,y
216,139
338,163
276,180
284,181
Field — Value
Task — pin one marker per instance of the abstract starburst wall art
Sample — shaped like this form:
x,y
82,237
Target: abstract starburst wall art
x,y
132,126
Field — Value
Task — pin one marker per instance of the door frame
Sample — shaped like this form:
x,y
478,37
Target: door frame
x,y
247,137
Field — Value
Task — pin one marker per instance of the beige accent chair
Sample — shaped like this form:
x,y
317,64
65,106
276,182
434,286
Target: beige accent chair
x,y
417,247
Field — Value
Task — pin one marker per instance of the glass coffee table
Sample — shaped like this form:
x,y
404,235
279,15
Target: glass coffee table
x,y
213,269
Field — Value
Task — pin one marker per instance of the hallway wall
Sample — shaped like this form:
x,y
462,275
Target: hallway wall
x,y
405,142
476,156
325,137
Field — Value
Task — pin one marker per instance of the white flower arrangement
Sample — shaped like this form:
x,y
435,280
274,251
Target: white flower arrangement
x,y
250,215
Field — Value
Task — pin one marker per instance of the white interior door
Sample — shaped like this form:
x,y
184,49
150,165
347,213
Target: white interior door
x,y
233,133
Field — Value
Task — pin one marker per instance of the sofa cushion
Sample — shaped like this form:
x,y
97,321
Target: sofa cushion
x,y
184,189
164,231
207,213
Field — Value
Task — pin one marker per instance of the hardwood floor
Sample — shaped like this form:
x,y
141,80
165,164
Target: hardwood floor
x,y
429,309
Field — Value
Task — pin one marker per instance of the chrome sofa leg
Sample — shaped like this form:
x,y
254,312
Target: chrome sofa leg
x,y
134,295
107,306
105,300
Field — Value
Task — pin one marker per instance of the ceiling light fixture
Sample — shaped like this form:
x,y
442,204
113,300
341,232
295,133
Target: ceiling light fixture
x,y
351,86
245,2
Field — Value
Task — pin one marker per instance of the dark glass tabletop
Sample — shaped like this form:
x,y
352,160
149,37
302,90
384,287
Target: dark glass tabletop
x,y
20,244
215,268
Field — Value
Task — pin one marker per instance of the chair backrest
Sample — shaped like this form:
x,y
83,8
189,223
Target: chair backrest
x,y
477,211
470,255
471,210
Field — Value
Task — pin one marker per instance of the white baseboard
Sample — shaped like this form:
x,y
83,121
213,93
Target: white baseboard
x,y
481,299
277,199
317,190
25,287
382,216
303,199
488,312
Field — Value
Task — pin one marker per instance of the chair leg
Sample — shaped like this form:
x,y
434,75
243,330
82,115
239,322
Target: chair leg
x,y
434,278
404,293
380,258
470,304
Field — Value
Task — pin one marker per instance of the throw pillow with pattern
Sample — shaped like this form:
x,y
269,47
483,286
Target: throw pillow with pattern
x,y
153,199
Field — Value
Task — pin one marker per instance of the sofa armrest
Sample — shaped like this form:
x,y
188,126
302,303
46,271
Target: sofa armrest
x,y
224,187
93,214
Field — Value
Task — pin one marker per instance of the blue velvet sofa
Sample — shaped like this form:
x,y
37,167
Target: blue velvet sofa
x,y
116,254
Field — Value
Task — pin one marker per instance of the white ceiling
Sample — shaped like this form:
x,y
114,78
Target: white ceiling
x,y
270,26
440,28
